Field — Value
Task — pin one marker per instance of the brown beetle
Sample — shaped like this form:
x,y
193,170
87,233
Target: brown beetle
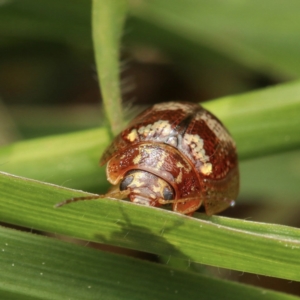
x,y
173,152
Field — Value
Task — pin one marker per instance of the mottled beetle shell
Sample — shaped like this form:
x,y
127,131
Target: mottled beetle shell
x,y
185,145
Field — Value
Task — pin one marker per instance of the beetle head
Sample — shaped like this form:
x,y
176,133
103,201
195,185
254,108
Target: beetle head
x,y
146,188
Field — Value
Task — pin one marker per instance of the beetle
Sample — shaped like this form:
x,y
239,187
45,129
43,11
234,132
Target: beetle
x,y
173,153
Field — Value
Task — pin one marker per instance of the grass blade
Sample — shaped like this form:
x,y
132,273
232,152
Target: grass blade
x,y
259,248
108,19
35,267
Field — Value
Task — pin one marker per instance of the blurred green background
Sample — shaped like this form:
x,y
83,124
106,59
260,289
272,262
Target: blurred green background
x,y
171,50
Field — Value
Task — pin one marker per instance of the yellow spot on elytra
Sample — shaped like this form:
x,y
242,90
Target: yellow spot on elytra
x,y
132,136
161,127
195,142
216,127
206,169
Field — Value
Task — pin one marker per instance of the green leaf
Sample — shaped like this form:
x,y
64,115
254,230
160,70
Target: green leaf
x,y
69,159
272,179
67,21
262,122
259,248
35,267
108,20
259,35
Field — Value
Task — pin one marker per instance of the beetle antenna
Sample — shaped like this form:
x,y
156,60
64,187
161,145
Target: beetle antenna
x,y
113,194
75,199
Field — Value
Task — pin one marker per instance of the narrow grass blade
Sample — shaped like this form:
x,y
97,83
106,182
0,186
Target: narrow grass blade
x,y
258,248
